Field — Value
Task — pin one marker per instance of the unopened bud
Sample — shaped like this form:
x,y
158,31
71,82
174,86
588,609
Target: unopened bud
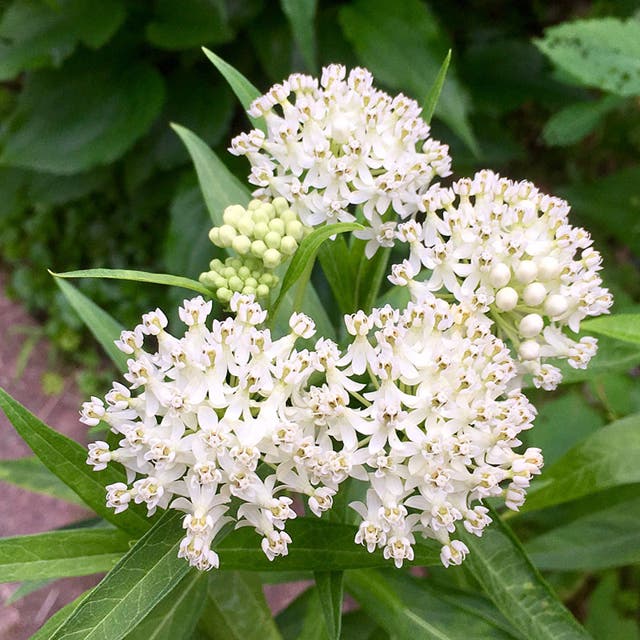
x,y
529,350
271,258
500,275
241,244
526,271
506,299
288,245
531,325
555,305
534,294
226,236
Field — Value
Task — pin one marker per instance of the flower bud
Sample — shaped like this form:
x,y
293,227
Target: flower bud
x,y
233,214
500,275
262,291
241,244
258,248
506,299
534,294
214,236
288,245
254,204
295,229
268,210
280,204
531,325
260,230
223,294
277,225
227,234
272,240
235,283
555,305
245,226
526,271
271,258
529,350
548,268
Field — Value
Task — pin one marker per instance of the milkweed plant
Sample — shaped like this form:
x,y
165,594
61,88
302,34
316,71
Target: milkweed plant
x,y
390,438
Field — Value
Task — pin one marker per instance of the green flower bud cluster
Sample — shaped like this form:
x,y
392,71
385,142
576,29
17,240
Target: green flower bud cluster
x,y
268,231
245,275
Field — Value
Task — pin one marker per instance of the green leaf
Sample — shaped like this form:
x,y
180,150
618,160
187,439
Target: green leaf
x,y
301,15
32,475
60,554
219,186
46,631
303,259
607,616
408,608
175,617
622,326
25,588
244,90
605,459
318,545
67,460
103,327
576,121
431,101
330,586
335,261
188,24
605,538
404,49
235,608
603,53
501,567
36,34
87,114
142,578
138,276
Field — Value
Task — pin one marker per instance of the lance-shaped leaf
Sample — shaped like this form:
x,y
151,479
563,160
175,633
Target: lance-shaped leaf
x,y
244,90
149,571
301,15
235,608
103,327
502,568
67,460
138,276
431,101
607,458
219,186
318,545
303,259
622,326
60,554
30,474
330,586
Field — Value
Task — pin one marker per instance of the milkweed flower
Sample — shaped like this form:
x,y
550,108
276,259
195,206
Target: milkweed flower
x,y
506,250
340,142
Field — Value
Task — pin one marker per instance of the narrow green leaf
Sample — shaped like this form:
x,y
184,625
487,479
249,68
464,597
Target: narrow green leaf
x,y
138,276
60,554
301,15
336,265
408,608
219,186
317,545
431,100
141,579
599,540
30,474
605,459
25,588
175,617
502,568
622,326
46,631
235,608
103,327
244,90
67,460
330,585
304,257
374,272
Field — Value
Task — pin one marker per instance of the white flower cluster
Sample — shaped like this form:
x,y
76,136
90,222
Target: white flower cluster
x,y
504,249
339,143
227,412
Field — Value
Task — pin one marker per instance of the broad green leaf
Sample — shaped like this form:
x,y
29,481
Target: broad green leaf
x,y
301,15
188,24
303,259
60,554
32,475
142,578
611,204
603,53
330,586
244,90
622,326
67,460
431,101
505,573
103,327
139,276
605,459
36,34
176,615
219,186
376,33
561,423
599,540
84,115
408,608
576,121
317,545
235,608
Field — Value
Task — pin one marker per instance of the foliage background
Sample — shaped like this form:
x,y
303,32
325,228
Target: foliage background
x,y
91,175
